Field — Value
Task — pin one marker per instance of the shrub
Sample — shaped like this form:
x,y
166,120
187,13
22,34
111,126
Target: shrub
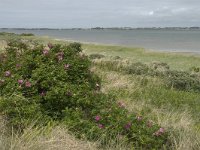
x,y
113,121
117,57
96,56
56,77
195,69
138,69
180,80
160,66
183,81
20,111
6,33
55,81
27,34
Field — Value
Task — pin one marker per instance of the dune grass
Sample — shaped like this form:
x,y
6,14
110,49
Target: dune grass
x,y
52,137
175,110
176,61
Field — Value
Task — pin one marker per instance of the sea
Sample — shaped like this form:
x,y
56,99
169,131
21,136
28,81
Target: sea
x,y
170,40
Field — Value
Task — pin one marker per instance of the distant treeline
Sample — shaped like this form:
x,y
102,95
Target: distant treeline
x,y
22,34
112,28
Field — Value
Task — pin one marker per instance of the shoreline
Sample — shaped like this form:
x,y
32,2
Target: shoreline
x,y
129,46
146,40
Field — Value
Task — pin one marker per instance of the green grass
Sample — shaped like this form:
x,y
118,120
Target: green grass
x,y
176,61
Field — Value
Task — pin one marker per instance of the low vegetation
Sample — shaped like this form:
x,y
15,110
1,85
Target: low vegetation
x,y
55,82
54,93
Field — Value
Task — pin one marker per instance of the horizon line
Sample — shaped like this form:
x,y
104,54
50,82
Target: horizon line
x,y
186,27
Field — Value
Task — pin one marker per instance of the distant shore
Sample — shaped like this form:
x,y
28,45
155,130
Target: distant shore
x,y
110,28
128,46
158,40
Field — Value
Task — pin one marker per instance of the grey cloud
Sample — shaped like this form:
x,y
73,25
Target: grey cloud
x,y
90,13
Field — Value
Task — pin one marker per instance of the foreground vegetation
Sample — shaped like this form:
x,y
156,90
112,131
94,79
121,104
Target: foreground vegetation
x,y
156,89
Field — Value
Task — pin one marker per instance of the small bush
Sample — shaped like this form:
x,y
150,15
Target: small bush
x,y
195,69
96,56
6,33
27,34
20,111
180,80
183,81
55,81
160,66
138,69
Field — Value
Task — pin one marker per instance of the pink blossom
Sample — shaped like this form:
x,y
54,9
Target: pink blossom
x,y
60,56
156,133
97,118
28,84
139,118
162,130
66,66
159,132
8,73
82,56
69,93
97,86
18,66
43,93
100,126
45,52
2,81
121,104
20,81
50,45
127,126
149,124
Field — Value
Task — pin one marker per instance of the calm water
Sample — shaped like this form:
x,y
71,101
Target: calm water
x,y
163,40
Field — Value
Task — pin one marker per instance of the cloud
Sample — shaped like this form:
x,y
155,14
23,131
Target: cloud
x,y
151,13
90,13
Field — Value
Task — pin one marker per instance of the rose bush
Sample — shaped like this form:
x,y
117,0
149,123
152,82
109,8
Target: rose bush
x,y
55,81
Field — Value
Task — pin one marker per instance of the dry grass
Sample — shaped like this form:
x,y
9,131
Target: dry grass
x,y
179,123
42,138
52,138
2,44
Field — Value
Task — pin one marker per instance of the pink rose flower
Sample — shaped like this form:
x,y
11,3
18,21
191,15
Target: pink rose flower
x,y
28,84
66,66
43,93
60,56
149,124
45,52
8,73
2,82
50,45
162,130
121,104
139,118
127,126
100,126
20,81
18,66
69,93
159,132
97,118
97,86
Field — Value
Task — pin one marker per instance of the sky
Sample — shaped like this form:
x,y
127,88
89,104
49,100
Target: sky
x,y
98,13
